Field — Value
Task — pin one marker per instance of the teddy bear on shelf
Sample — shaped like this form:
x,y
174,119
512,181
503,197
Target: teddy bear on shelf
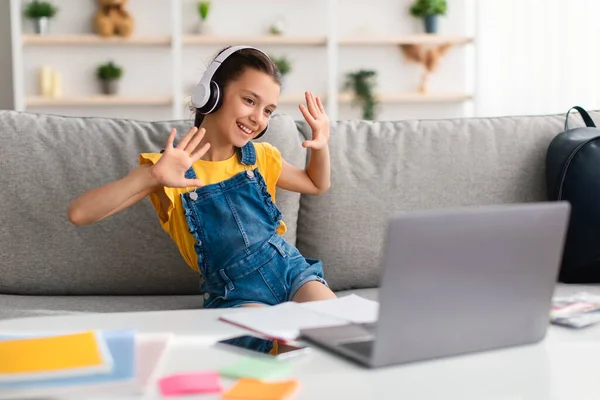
x,y
112,19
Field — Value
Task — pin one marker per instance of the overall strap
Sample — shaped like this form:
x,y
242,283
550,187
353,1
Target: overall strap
x,y
247,154
190,173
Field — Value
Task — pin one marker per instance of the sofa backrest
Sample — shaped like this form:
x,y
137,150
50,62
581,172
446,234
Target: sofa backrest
x,y
46,161
380,168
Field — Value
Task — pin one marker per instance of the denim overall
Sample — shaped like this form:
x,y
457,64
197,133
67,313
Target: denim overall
x,y
241,257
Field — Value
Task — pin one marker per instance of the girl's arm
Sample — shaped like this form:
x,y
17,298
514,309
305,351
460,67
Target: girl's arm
x,y
109,199
169,171
315,179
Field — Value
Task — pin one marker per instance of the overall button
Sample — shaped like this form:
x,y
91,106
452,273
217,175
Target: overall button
x,y
250,174
194,196
206,296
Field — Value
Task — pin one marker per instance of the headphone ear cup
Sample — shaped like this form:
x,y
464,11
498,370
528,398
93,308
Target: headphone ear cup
x,y
262,132
214,99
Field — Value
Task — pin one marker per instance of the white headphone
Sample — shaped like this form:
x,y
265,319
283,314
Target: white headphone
x,y
207,96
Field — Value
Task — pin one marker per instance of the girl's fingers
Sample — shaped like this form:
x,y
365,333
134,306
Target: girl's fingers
x,y
320,105
310,102
171,139
186,139
307,143
197,154
195,141
309,118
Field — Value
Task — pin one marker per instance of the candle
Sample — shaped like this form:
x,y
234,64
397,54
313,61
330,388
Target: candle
x,y
45,81
56,84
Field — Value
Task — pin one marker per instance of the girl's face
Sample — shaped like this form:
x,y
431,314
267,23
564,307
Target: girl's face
x,y
248,104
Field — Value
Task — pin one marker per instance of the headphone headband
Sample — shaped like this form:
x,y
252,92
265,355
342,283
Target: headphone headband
x,y
201,93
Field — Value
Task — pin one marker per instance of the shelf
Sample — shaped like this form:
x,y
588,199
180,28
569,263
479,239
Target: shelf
x,y
99,100
298,98
407,39
255,40
284,99
91,39
412,97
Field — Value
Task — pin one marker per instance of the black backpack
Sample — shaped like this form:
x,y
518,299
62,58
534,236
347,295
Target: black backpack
x,y
573,175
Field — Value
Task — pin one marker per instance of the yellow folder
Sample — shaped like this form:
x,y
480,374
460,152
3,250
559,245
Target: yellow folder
x,y
54,356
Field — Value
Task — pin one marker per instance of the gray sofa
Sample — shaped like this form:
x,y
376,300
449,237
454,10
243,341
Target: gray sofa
x,y
128,263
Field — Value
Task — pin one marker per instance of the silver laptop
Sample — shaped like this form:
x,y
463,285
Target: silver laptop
x,y
459,281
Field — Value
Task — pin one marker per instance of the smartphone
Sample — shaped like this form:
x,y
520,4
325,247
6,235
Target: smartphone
x,y
270,348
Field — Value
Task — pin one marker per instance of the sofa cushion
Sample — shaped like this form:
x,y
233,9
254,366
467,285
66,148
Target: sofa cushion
x,y
380,168
47,160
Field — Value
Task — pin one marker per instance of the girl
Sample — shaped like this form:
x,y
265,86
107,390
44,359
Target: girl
x,y
214,191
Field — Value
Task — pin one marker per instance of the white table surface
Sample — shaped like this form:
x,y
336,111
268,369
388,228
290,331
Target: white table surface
x,y
564,366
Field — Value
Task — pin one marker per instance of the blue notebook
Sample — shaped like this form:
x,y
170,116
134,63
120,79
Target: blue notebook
x,y
120,343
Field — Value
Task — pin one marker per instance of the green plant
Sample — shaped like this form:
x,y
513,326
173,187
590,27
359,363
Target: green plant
x,y
109,71
283,64
422,8
275,30
203,9
362,83
40,9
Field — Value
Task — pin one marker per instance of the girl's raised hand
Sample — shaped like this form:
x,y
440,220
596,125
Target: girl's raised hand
x,y
314,114
170,170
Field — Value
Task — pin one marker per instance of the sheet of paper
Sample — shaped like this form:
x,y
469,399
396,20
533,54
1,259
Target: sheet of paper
x,y
248,367
150,349
190,383
351,308
285,320
51,357
282,321
252,389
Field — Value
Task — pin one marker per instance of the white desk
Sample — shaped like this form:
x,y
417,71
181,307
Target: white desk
x,y
564,366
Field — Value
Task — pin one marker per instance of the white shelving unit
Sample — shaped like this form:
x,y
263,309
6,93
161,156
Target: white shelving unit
x,y
178,40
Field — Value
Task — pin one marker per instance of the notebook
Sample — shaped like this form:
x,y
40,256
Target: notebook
x,y
53,357
285,320
136,357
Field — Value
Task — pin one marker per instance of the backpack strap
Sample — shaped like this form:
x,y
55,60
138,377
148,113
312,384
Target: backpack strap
x,y
584,114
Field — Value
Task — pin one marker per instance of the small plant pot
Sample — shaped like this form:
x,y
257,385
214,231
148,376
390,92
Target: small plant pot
x,y
431,23
204,27
109,86
41,26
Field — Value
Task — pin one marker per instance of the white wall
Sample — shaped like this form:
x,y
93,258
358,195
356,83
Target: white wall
x,y
395,74
538,56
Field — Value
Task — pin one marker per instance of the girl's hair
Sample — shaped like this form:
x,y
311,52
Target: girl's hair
x,y
236,64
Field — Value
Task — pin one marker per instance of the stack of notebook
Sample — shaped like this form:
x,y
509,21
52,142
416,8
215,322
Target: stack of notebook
x,y
99,362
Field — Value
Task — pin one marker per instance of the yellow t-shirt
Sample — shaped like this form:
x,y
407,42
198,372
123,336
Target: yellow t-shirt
x,y
268,161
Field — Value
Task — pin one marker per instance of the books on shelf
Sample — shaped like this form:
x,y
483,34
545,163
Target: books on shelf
x,y
577,311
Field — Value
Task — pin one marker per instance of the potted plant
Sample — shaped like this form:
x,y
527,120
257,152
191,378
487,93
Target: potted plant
x,y
362,83
203,10
283,64
109,75
429,10
40,13
278,27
